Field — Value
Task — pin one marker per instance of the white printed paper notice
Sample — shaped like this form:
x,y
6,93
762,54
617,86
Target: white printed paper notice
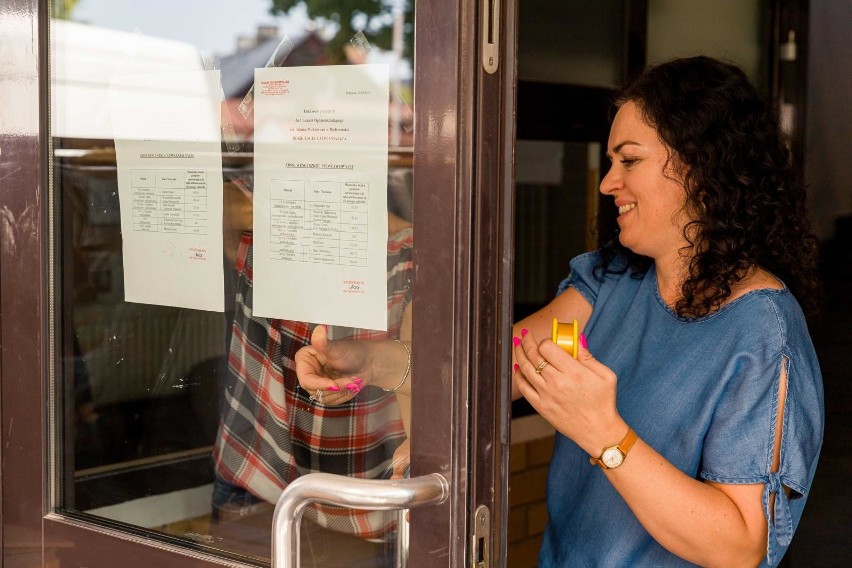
x,y
168,154
320,195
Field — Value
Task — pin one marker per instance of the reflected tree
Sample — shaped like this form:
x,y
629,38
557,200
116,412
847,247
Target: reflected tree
x,y
376,19
62,9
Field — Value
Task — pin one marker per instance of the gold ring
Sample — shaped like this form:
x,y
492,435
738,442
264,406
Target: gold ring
x,y
541,366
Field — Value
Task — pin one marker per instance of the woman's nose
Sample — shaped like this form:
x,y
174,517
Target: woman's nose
x,y
610,181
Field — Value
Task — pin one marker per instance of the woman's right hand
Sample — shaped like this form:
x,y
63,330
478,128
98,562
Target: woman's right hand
x,y
401,460
401,464
340,369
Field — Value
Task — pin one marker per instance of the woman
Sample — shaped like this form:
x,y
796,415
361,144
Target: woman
x,y
692,434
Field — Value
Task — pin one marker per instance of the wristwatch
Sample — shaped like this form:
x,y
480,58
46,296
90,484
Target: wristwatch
x,y
613,456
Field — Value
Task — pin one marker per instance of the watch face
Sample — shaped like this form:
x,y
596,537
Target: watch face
x,y
612,457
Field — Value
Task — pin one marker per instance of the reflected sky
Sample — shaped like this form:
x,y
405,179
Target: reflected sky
x,y
211,25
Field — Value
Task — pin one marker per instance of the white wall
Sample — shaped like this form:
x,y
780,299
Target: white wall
x,y
724,29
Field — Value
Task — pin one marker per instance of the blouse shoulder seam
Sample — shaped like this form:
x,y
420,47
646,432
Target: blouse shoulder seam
x,y
584,255
779,321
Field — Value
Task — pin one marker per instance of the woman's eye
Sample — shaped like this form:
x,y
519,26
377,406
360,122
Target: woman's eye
x,y
628,162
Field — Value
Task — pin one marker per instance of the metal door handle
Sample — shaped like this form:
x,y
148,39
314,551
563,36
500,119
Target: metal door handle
x,y
329,489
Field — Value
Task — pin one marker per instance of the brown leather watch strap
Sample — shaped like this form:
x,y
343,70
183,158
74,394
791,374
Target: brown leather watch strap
x,y
624,446
627,442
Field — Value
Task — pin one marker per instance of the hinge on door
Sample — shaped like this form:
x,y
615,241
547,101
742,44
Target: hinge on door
x,y
481,540
490,35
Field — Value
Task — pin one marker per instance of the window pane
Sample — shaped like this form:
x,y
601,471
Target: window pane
x,y
179,129
591,32
729,29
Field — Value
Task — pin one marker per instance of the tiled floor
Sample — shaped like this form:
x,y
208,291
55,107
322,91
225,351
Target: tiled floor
x,y
246,537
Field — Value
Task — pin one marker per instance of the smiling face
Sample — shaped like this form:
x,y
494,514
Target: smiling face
x,y
649,198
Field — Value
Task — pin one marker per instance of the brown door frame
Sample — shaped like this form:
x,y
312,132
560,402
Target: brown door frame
x,y
474,226
21,262
493,301
787,79
459,257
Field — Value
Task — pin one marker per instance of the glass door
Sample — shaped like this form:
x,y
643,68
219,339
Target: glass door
x,y
212,196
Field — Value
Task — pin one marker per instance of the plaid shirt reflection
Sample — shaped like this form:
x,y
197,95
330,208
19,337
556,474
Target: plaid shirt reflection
x,y
271,432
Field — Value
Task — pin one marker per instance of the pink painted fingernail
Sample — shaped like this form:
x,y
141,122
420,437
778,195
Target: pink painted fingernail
x,y
583,341
353,388
515,367
524,332
333,389
358,381
516,341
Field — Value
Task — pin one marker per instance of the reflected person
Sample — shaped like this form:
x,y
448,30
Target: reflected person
x,y
272,431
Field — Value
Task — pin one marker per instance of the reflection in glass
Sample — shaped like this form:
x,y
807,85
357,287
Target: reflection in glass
x,y
592,32
187,423
554,180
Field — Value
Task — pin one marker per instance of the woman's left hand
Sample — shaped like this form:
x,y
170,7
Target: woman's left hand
x,y
576,396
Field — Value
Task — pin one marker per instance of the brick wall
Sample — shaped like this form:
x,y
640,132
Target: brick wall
x,y
529,458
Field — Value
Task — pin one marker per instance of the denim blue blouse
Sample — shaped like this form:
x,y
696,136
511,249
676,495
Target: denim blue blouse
x,y
703,392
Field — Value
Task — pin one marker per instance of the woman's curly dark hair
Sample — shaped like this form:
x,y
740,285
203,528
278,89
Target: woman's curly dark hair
x,y
742,190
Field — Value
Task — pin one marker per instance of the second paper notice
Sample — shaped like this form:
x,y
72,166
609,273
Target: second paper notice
x,y
320,194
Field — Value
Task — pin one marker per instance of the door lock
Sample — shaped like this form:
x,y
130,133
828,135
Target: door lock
x,y
490,35
481,539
